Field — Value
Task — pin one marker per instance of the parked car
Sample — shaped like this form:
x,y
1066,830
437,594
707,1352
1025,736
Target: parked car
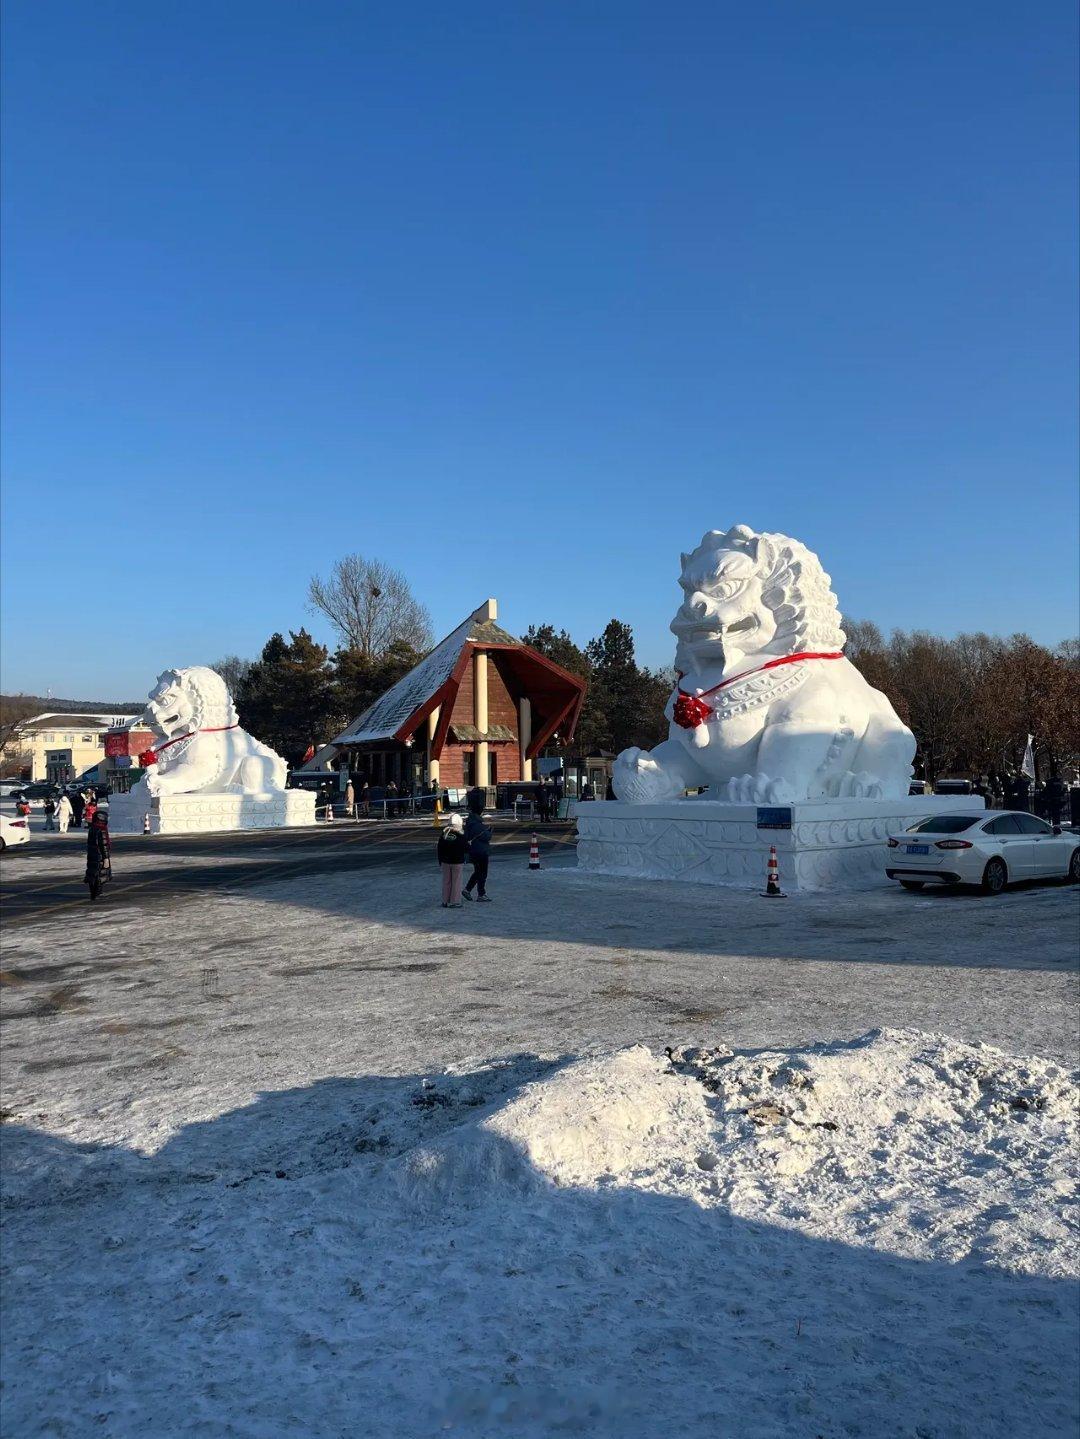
x,y
10,787
36,793
992,849
13,831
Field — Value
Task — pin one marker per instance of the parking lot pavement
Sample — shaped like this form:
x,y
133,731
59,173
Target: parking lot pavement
x,y
43,879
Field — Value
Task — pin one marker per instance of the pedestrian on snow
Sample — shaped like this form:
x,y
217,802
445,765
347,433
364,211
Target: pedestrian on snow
x,y
90,810
365,799
350,800
63,813
452,850
22,808
50,810
478,837
98,854
78,804
543,803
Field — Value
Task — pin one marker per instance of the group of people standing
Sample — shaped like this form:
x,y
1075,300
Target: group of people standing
x,y
69,810
547,802
358,799
461,840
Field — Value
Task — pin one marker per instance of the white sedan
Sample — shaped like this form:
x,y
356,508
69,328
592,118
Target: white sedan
x,y
13,831
992,849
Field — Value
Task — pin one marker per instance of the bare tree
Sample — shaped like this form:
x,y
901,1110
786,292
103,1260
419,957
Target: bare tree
x,y
233,670
371,606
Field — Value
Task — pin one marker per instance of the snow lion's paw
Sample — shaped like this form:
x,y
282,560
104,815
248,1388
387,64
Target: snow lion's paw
x,y
638,779
758,789
859,786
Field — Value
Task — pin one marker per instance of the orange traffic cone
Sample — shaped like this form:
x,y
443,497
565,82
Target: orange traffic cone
x,y
146,822
772,881
329,811
534,854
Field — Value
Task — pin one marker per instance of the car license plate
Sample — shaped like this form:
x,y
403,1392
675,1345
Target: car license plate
x,y
918,849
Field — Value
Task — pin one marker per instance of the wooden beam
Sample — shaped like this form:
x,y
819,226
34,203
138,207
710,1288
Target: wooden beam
x,y
550,725
449,695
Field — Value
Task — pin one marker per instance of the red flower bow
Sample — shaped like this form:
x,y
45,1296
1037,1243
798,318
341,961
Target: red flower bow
x,y
690,711
147,758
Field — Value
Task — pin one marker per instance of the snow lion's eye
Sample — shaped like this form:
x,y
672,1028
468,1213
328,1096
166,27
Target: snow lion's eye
x,y
726,588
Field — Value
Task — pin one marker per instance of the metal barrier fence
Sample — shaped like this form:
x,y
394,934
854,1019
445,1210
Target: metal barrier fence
x,y
423,806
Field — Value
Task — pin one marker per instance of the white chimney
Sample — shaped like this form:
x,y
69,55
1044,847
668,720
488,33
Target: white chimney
x,y
489,610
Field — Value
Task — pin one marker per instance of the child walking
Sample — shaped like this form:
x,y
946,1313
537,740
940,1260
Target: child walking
x,y
452,862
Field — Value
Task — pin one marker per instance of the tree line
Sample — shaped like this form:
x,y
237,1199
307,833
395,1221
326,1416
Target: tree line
x,y
972,701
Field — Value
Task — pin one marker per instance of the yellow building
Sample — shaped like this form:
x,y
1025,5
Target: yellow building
x,y
61,747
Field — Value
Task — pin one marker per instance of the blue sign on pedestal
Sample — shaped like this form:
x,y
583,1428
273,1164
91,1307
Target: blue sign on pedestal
x,y
774,818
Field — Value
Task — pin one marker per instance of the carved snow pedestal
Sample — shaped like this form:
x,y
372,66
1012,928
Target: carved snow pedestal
x,y
202,813
831,844
204,772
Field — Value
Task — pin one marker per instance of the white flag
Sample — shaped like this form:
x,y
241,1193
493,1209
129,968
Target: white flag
x,y
1028,766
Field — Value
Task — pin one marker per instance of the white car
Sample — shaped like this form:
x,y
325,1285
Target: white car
x,y
991,849
13,831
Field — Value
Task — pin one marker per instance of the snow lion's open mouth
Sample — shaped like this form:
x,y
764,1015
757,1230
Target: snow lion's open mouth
x,y
713,628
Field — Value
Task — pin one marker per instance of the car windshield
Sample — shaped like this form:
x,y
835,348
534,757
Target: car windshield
x,y
946,824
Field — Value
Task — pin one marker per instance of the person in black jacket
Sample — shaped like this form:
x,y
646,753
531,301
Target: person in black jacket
x,y
478,838
98,856
78,804
452,861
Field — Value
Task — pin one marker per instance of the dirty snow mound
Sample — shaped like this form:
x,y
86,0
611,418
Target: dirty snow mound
x,y
909,1143
914,1143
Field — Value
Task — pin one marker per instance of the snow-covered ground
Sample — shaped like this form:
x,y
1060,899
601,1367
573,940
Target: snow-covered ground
x,y
318,1157
874,1238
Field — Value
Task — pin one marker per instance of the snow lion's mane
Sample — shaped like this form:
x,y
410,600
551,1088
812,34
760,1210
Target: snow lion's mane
x,y
794,587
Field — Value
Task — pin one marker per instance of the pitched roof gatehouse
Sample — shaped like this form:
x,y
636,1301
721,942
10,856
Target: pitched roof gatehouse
x,y
476,710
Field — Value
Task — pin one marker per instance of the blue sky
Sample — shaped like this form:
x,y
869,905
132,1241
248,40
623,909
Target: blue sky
x,y
522,299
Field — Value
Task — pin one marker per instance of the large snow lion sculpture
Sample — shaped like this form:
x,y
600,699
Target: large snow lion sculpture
x,y
766,709
202,746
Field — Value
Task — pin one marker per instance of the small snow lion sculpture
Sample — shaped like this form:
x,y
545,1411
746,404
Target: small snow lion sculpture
x,y
202,746
766,708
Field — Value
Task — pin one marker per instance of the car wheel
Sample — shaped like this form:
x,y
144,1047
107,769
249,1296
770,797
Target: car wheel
x,y
1074,867
995,877
912,883
3,844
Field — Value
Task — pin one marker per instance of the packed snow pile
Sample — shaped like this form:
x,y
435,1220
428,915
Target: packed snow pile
x,y
912,1143
915,1143
855,1240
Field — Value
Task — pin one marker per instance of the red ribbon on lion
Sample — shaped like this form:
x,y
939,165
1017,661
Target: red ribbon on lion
x,y
149,756
691,710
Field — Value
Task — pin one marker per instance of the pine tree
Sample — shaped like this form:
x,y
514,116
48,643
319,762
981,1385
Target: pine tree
x,y
557,645
287,698
359,680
